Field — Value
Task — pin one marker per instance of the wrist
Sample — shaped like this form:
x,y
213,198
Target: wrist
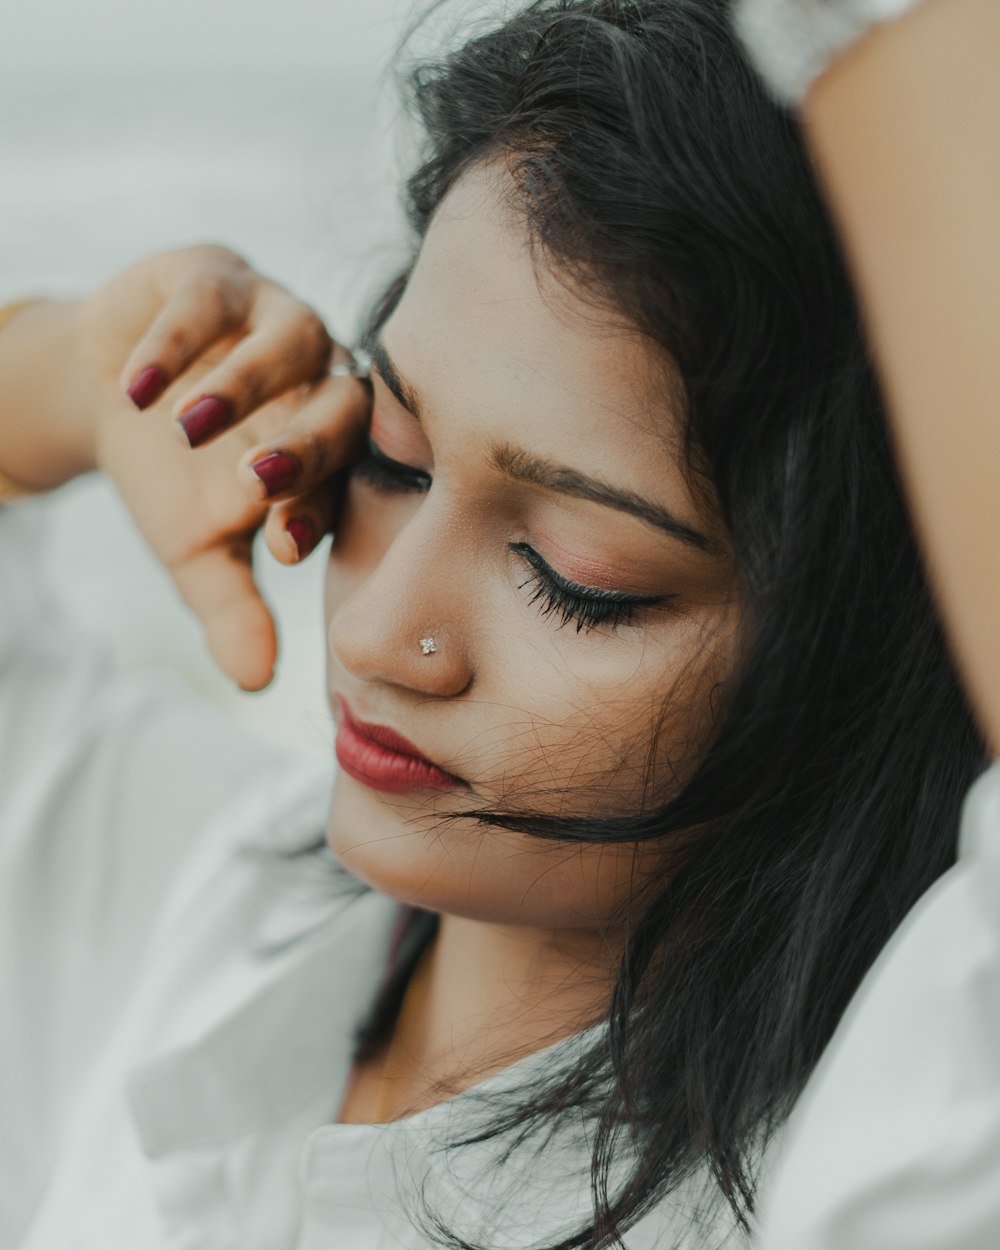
x,y
47,399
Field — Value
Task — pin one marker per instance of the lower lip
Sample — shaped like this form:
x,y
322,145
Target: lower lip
x,y
382,769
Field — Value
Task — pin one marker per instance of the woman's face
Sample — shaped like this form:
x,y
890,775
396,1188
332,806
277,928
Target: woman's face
x,y
527,510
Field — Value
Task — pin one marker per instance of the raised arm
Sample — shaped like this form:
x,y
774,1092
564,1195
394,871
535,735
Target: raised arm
x,y
905,126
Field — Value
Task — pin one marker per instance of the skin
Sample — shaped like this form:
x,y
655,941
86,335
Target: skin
x,y
528,711
214,327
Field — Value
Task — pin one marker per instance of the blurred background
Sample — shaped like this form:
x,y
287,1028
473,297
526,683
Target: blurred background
x,y
128,128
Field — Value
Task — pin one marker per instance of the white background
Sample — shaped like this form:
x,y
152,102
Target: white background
x,y
129,127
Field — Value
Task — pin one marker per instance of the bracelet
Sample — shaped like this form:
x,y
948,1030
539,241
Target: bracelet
x,y
9,489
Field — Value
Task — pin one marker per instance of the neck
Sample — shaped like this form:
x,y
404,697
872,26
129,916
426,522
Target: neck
x,y
495,994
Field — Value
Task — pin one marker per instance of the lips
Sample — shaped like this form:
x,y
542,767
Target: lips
x,y
380,758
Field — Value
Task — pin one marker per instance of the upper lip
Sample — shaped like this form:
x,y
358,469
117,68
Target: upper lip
x,y
387,737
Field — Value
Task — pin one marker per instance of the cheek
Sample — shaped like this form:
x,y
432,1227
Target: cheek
x,y
614,723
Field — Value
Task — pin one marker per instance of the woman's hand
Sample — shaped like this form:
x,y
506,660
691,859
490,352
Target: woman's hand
x,y
220,358
241,368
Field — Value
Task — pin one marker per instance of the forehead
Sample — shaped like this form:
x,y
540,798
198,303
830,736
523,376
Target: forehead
x,y
495,341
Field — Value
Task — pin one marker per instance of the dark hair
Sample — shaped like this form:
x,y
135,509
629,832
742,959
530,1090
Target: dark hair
x,y
652,167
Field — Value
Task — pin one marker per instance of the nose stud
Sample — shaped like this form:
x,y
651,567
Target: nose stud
x,y
428,646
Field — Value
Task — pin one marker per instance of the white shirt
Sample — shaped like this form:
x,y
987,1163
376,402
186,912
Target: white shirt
x,y
895,1145
179,1014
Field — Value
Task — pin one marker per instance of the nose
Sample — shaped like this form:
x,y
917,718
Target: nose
x,y
403,624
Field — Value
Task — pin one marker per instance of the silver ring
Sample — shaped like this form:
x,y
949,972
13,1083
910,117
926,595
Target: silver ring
x,y
359,366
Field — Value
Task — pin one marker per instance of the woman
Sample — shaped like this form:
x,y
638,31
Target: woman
x,y
641,702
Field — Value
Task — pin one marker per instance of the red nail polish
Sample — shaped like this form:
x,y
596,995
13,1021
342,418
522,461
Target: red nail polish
x,y
303,535
277,471
206,417
147,386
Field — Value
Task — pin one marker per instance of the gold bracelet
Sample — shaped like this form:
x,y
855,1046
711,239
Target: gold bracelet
x,y
9,489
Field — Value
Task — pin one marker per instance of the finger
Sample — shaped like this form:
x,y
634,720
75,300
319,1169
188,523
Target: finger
x,y
326,433
295,527
288,345
218,585
207,293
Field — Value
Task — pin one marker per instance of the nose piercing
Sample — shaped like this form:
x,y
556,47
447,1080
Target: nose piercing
x,y
428,646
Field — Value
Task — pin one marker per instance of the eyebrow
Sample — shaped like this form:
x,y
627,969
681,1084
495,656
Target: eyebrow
x,y
524,466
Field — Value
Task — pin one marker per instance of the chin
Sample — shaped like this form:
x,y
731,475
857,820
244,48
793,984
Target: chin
x,y
391,843
399,846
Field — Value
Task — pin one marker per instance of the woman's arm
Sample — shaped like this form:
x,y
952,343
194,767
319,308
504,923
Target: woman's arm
x,y
44,440
906,130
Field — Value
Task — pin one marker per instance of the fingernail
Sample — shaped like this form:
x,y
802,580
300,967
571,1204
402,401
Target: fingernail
x,y
302,534
204,418
147,386
277,471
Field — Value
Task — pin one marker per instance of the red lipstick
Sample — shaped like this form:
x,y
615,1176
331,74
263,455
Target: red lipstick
x,y
380,758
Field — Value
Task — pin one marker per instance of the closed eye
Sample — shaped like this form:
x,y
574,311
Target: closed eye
x,y
587,605
388,476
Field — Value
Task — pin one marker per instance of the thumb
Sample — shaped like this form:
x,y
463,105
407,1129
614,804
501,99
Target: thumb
x,y
218,585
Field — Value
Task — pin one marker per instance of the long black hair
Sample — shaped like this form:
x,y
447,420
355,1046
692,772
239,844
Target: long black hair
x,y
653,169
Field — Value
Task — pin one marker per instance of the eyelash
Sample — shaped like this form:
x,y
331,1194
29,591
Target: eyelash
x,y
568,600
387,476
573,602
